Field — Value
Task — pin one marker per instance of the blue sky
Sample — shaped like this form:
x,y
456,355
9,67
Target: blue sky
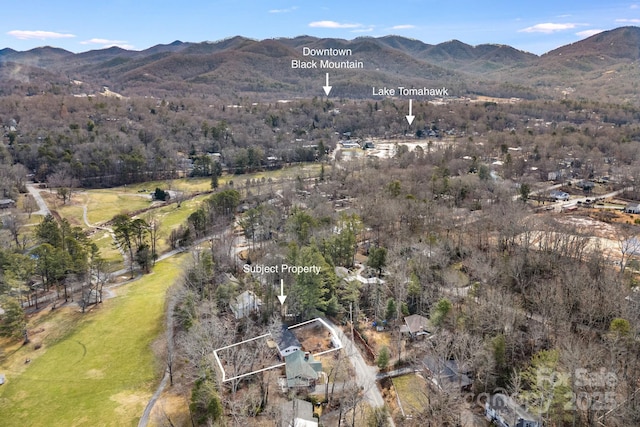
x,y
80,25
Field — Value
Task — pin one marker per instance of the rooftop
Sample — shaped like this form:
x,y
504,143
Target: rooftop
x,y
416,324
446,373
301,369
287,339
297,413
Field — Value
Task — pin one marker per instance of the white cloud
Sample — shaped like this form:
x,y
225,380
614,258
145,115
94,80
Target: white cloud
x,y
100,41
363,30
588,33
106,43
291,9
41,35
549,27
333,24
634,6
631,21
403,27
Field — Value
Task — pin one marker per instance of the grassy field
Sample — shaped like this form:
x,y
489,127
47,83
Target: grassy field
x,y
185,185
108,251
71,210
412,391
195,185
103,205
101,371
172,216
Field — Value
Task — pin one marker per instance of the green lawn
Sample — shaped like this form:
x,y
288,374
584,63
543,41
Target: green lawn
x,y
72,209
103,205
188,185
102,372
104,242
172,216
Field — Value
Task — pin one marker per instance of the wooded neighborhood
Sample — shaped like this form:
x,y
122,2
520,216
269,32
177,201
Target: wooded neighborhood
x,y
197,259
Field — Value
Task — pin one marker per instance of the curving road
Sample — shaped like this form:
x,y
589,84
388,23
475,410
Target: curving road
x,y
43,209
144,420
366,376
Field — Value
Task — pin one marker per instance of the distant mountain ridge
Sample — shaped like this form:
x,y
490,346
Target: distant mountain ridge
x,y
239,66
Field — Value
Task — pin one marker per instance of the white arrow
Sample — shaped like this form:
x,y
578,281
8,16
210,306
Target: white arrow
x,y
327,88
282,296
410,117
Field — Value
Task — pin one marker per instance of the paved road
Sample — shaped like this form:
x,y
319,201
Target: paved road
x,y
144,420
43,209
574,202
366,375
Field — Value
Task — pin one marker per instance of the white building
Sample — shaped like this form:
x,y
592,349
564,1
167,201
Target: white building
x,y
245,304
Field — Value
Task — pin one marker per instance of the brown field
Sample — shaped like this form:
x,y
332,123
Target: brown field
x,y
314,337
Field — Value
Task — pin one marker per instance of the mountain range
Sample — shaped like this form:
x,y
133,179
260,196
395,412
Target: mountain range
x,y
603,66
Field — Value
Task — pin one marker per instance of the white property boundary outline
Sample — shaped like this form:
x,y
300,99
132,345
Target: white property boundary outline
x,y
334,339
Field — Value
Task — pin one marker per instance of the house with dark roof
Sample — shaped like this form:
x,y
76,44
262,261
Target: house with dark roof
x,y
587,186
287,342
368,145
446,374
302,369
297,413
503,411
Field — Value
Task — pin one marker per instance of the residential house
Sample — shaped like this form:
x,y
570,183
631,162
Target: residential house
x,y
245,304
446,374
302,369
7,203
273,161
587,186
416,325
365,280
503,411
297,413
349,144
559,195
632,208
555,175
287,342
367,145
